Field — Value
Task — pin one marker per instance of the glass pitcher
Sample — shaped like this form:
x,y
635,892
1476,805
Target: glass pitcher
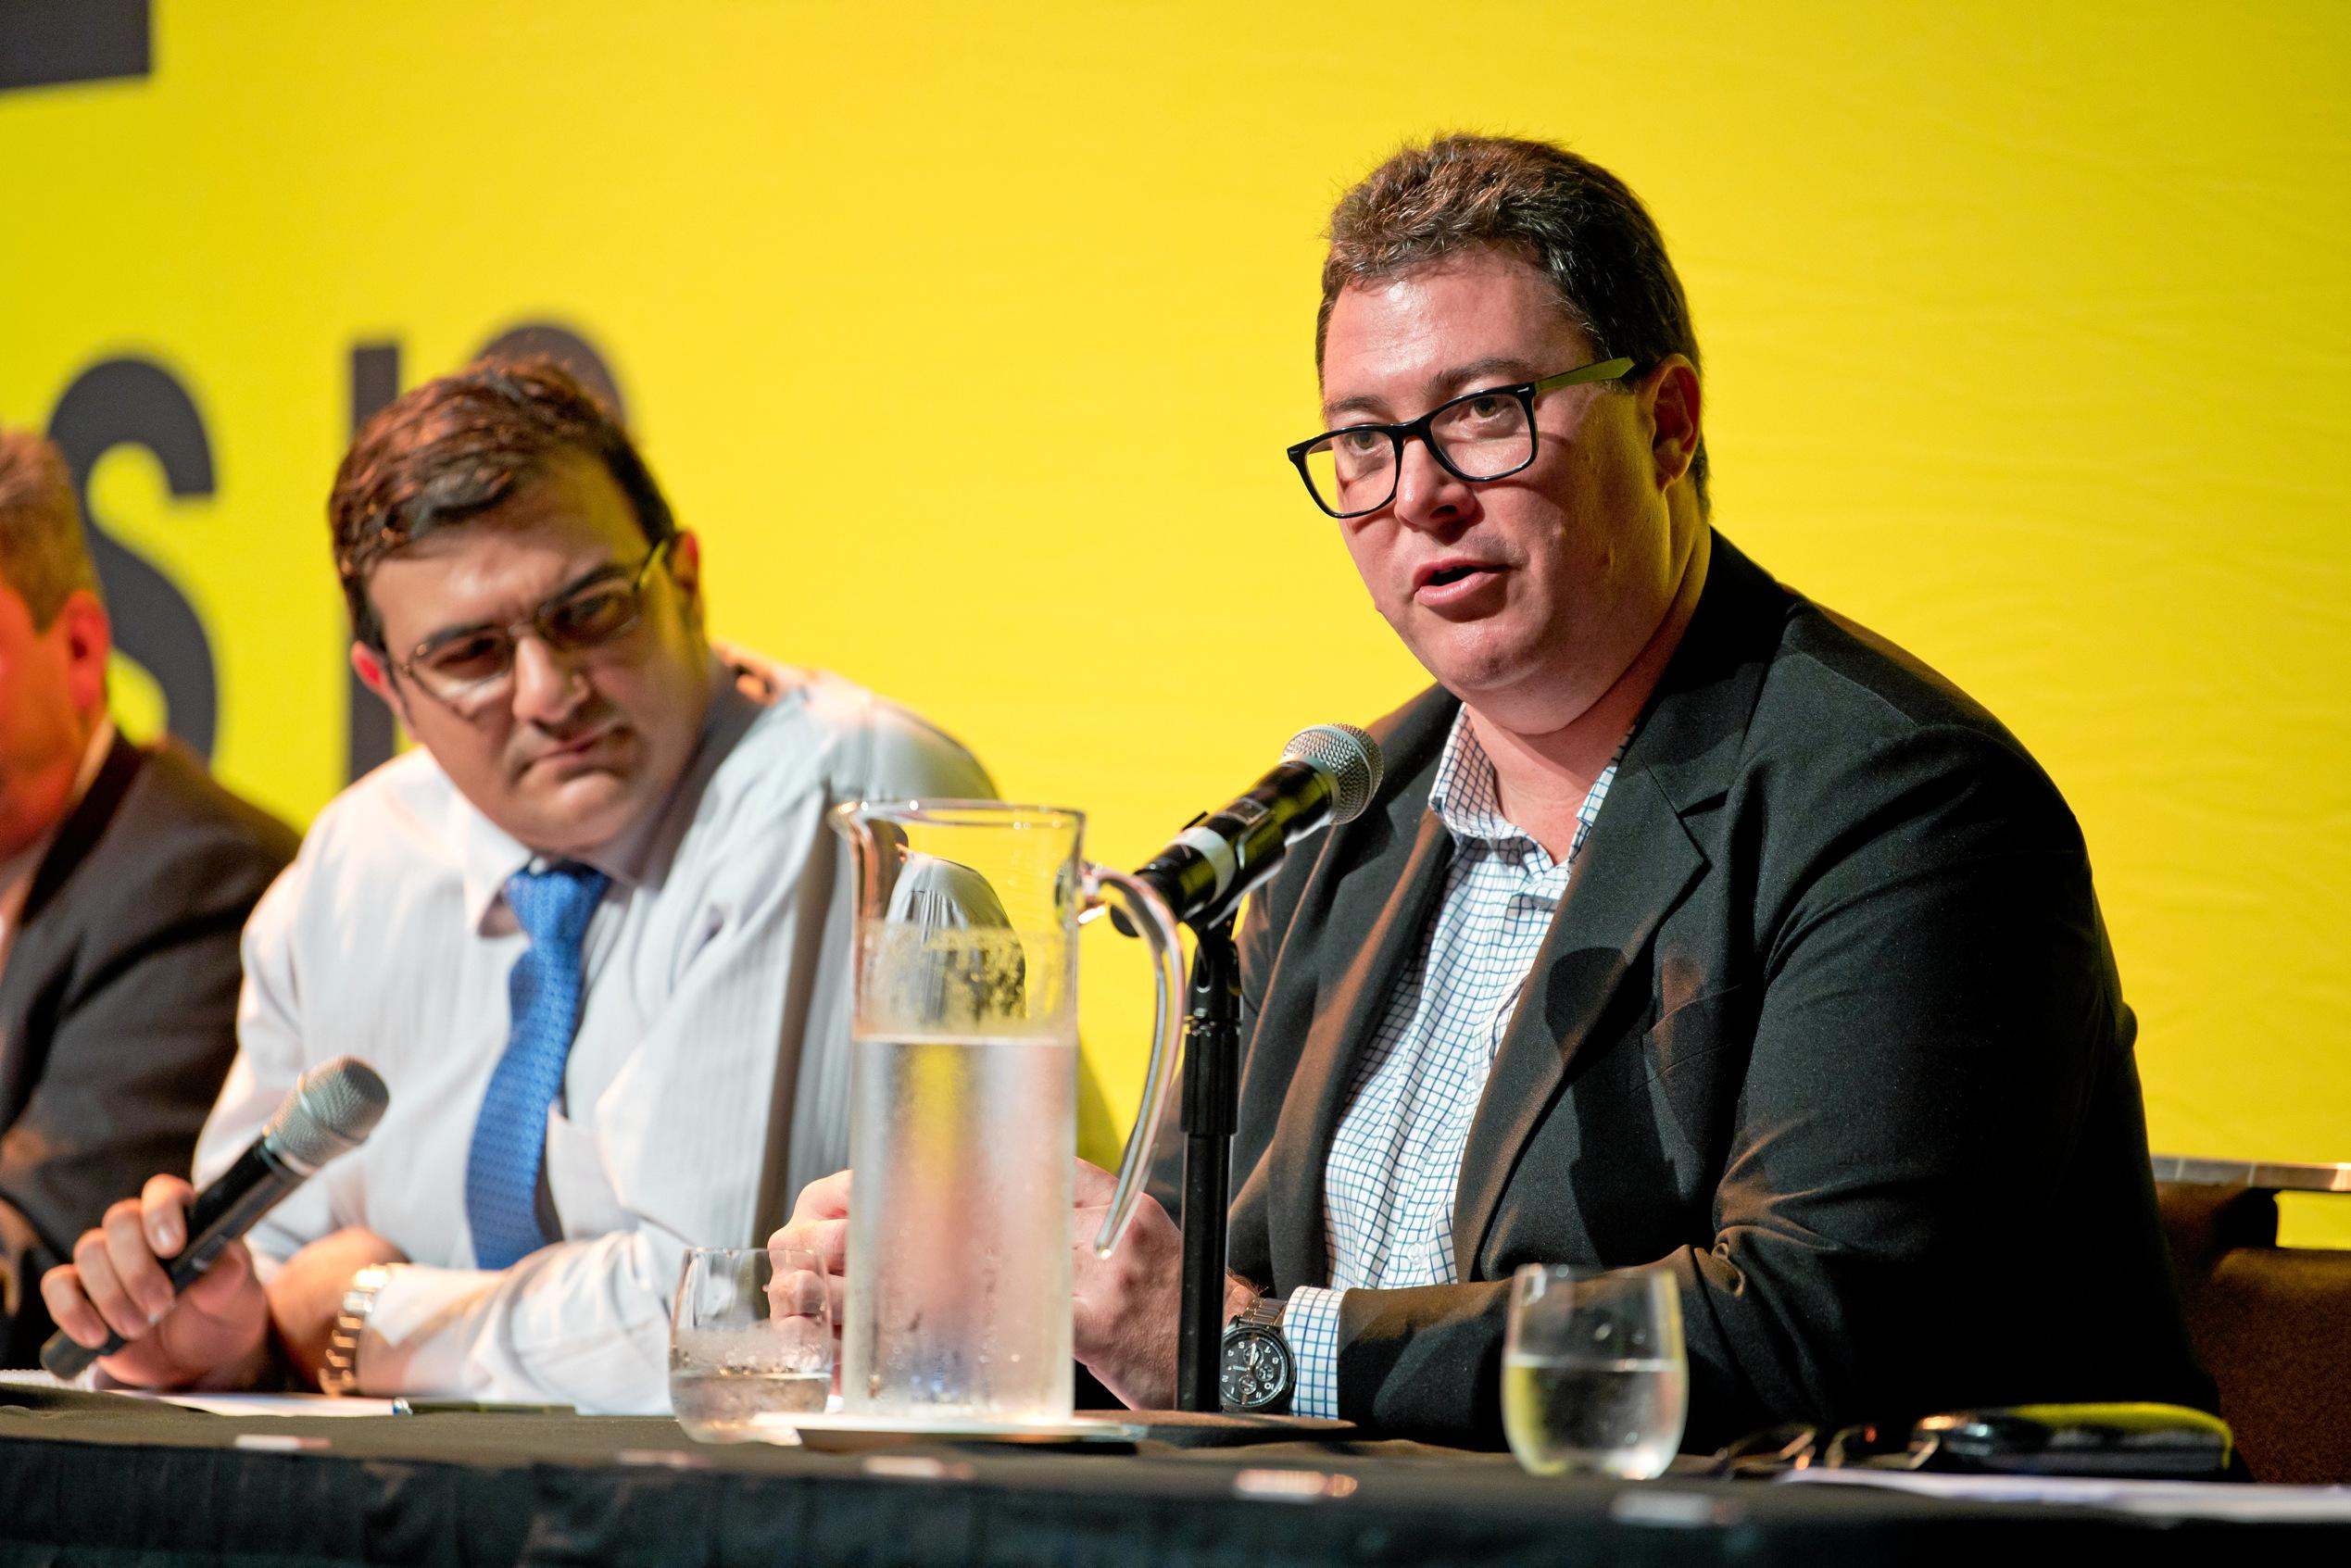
x,y
963,1129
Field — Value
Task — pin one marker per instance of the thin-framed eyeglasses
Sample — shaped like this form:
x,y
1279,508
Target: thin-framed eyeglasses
x,y
1478,436
467,667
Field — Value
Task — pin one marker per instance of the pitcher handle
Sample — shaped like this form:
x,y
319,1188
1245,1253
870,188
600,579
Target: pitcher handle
x,y
1149,915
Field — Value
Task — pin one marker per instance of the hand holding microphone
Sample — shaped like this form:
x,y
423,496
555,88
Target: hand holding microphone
x,y
163,1282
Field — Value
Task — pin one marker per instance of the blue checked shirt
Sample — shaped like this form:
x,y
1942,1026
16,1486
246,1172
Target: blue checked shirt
x,y
1395,1160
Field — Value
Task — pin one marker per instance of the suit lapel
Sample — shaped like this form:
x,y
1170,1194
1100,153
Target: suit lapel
x,y
78,835
31,964
1638,861
1635,865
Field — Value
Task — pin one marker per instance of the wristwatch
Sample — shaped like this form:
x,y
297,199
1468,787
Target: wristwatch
x,y
339,1370
1259,1374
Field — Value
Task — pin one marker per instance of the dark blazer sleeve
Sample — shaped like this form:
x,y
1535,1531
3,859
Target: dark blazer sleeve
x,y
1938,1020
130,1021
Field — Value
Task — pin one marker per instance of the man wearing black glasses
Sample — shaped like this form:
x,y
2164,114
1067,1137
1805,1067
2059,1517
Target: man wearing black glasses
x,y
590,930
1700,929
1693,927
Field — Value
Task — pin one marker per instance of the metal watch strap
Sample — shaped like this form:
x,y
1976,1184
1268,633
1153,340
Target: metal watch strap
x,y
1265,1311
339,1373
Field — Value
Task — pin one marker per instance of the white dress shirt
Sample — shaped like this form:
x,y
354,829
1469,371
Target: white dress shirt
x,y
715,977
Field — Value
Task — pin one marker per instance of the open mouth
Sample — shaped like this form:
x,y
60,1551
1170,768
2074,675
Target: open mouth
x,y
1450,580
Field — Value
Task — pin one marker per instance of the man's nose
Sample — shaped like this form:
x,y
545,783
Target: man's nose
x,y
1428,494
548,683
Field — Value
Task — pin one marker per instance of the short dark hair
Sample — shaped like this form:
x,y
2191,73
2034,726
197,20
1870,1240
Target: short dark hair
x,y
453,448
43,554
1572,220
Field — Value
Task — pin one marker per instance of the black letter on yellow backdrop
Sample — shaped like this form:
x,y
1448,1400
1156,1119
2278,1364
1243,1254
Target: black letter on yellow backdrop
x,y
367,738
132,402
50,42
567,349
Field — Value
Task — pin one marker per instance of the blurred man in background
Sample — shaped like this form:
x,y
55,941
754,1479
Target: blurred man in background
x,y
592,931
125,876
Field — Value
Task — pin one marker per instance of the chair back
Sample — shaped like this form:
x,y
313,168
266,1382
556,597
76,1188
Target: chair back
x,y
2271,1324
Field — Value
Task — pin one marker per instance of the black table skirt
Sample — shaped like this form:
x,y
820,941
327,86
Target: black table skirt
x,y
100,1480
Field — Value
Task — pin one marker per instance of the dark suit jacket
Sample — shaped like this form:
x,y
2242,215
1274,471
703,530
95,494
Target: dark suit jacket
x,y
118,1007
1827,1025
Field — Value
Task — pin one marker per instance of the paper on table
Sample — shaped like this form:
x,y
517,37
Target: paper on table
x,y
222,1404
2172,1500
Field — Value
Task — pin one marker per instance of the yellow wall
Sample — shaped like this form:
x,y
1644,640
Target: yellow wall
x,y
968,339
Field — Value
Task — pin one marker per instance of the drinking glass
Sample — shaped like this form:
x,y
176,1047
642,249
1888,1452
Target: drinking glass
x,y
1594,1377
750,1341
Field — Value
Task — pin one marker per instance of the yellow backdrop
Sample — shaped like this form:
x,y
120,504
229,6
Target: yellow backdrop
x,y
968,339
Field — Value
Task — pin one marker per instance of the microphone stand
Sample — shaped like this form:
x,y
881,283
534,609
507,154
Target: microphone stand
x,y
1211,1093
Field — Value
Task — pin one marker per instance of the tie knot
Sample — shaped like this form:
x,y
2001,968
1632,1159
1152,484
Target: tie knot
x,y
553,905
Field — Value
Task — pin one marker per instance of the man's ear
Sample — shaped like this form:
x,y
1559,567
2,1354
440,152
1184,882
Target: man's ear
x,y
376,675
82,621
686,570
1674,399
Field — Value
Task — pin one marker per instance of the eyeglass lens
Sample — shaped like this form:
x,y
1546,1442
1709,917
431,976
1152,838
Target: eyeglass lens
x,y
1484,436
589,619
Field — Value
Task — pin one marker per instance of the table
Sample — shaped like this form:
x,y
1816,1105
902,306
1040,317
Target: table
x,y
99,1479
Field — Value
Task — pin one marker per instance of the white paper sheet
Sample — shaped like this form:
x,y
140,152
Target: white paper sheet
x,y
2170,1500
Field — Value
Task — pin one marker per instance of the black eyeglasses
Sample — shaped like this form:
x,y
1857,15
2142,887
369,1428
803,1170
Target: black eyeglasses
x,y
1477,436
469,667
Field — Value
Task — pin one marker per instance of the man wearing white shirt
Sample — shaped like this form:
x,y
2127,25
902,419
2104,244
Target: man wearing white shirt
x,y
591,933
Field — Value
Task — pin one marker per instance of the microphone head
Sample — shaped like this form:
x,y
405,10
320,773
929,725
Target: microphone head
x,y
331,1110
1345,755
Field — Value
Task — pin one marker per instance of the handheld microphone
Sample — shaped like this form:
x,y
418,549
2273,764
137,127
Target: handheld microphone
x,y
331,1110
1328,775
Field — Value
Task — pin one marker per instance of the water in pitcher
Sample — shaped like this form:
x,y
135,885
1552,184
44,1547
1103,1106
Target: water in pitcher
x,y
958,1249
964,1113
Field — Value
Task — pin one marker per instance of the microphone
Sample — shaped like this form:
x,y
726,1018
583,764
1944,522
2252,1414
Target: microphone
x,y
1328,775
331,1110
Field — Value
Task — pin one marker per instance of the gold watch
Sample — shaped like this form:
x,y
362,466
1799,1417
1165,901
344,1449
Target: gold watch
x,y
340,1371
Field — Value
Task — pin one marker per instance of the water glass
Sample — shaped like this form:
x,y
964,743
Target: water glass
x,y
750,1341
1594,1377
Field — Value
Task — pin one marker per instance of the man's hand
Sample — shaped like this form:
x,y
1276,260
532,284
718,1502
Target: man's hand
x,y
214,1332
1126,1309
308,1292
819,1225
1129,1305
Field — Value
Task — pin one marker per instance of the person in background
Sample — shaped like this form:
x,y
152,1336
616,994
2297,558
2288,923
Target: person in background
x,y
592,931
125,875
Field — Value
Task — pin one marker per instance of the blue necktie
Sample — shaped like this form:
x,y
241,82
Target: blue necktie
x,y
542,992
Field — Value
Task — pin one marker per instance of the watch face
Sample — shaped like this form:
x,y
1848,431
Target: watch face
x,y
1257,1369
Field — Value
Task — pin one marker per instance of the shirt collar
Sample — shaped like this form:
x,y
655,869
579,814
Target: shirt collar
x,y
489,855
1464,793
